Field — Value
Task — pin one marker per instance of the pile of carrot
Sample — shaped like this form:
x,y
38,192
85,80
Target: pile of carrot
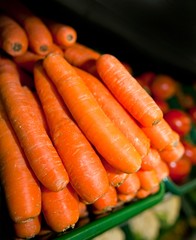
x,y
77,130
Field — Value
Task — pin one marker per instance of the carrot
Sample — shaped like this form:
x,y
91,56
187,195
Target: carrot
x,y
77,154
63,35
90,117
125,198
40,152
116,113
83,211
161,135
148,179
28,229
36,105
128,91
172,153
83,57
162,170
115,177
60,209
151,160
13,39
39,36
21,188
27,60
56,49
107,202
131,185
142,193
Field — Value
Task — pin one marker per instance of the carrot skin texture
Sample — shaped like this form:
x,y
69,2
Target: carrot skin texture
x,y
21,188
77,154
60,209
128,91
151,160
13,38
148,179
28,229
34,140
109,141
116,113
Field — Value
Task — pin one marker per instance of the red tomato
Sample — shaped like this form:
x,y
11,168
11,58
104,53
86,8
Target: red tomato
x,y
163,86
180,170
192,113
179,121
190,151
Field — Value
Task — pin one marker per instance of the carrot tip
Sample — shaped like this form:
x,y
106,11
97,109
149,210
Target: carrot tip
x,y
17,47
43,48
69,37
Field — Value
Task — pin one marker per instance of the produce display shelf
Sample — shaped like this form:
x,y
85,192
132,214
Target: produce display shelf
x,y
184,188
112,219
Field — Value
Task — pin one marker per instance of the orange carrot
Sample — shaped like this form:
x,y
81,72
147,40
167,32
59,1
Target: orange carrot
x,y
115,177
82,57
109,141
36,105
13,39
63,35
161,135
40,38
142,193
172,153
162,170
60,209
27,60
125,198
77,154
28,229
21,188
38,148
128,91
116,113
56,49
148,179
151,160
131,185
107,202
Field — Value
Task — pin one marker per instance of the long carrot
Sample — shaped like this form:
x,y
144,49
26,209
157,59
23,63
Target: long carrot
x,y
115,177
39,36
60,209
131,185
21,188
128,91
148,179
151,160
13,38
161,135
90,117
107,202
63,34
162,170
116,113
28,229
77,154
38,148
83,57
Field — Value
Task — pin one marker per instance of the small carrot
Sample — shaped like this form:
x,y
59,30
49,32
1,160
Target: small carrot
x,y
161,135
77,154
125,198
172,153
148,179
13,39
60,209
39,36
107,202
21,188
27,60
115,177
116,113
28,229
63,35
41,154
151,160
128,91
131,185
142,193
104,135
83,57
162,170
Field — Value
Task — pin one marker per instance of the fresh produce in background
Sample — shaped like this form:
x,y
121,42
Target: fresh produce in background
x,y
73,137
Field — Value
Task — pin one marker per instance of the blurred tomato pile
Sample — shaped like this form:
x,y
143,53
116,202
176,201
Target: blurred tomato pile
x,y
178,103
